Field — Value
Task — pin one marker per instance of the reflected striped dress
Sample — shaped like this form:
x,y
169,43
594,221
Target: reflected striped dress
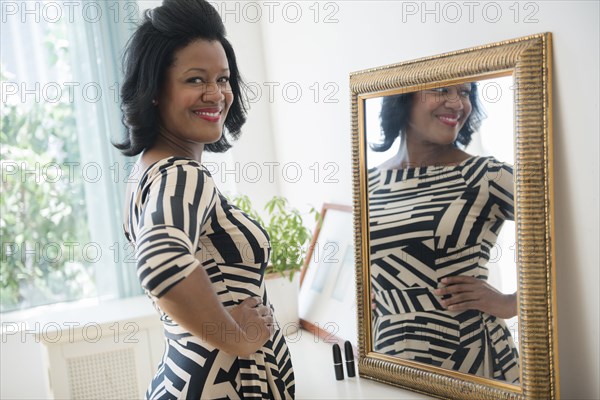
x,y
178,221
427,223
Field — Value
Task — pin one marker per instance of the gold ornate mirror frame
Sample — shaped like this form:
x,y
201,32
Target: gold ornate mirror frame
x,y
528,59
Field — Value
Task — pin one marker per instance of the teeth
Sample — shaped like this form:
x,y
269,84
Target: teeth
x,y
208,114
445,118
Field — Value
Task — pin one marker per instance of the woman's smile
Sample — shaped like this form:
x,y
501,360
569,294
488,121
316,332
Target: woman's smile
x,y
449,119
210,114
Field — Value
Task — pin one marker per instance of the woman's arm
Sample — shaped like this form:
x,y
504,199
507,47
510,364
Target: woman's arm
x,y
193,304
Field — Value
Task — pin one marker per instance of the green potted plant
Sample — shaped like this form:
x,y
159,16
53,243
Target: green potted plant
x,y
286,230
289,241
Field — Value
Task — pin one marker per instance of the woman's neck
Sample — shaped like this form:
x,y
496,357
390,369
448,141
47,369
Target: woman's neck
x,y
425,155
171,146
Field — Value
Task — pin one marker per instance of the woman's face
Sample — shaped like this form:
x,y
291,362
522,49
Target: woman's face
x,y
196,96
437,115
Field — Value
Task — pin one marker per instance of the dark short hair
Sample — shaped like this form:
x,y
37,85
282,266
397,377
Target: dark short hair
x,y
395,112
151,51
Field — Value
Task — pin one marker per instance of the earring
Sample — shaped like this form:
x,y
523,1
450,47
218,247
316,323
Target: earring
x,y
154,102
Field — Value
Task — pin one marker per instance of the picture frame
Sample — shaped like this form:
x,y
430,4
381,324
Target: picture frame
x,y
327,301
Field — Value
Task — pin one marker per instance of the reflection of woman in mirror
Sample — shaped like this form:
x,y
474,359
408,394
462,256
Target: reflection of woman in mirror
x,y
435,213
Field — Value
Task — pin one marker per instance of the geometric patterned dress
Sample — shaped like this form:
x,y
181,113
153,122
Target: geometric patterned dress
x,y
427,223
178,221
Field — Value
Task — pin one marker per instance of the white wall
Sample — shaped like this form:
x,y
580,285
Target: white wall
x,y
370,34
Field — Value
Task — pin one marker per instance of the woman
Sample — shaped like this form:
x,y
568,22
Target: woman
x,y
181,90
435,213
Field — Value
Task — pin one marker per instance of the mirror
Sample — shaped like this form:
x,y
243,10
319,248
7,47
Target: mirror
x,y
442,206
415,209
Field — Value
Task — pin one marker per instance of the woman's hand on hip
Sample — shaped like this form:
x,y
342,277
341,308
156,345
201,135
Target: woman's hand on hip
x,y
469,293
256,321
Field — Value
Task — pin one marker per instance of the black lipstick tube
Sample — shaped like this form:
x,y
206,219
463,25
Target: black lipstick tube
x,y
350,371
337,362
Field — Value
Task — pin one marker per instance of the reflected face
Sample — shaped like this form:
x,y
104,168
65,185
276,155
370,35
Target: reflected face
x,y
437,115
196,94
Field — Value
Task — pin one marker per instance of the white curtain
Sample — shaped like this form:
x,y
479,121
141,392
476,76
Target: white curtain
x,y
97,45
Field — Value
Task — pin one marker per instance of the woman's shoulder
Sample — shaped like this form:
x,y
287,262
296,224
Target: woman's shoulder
x,y
174,162
373,177
174,176
493,161
497,167
179,168
479,170
489,162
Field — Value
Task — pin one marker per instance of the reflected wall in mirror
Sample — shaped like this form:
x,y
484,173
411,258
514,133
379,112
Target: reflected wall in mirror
x,y
440,169
454,299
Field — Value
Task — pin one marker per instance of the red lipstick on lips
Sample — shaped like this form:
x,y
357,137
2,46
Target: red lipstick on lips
x,y
449,119
211,114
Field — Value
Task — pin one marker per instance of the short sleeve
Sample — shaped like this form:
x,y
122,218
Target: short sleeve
x,y
501,189
176,201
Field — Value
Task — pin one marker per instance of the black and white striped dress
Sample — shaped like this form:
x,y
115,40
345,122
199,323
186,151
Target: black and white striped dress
x,y
427,223
179,221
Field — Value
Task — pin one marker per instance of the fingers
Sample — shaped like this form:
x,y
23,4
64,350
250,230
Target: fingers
x,y
462,292
258,300
263,311
454,289
252,301
266,314
459,298
269,321
255,303
458,284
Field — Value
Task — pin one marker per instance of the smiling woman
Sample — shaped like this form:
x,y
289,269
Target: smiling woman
x,y
196,95
158,56
431,124
200,259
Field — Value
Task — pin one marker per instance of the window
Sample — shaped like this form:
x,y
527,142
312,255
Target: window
x,y
62,181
